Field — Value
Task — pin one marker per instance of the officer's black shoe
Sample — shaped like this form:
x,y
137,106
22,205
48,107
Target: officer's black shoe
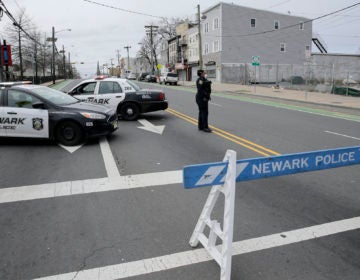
x,y
207,130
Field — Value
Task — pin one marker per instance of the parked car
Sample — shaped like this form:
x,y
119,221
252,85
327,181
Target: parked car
x,y
122,95
34,111
132,76
151,79
142,76
169,78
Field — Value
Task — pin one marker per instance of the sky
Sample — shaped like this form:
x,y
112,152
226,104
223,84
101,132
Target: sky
x,y
98,32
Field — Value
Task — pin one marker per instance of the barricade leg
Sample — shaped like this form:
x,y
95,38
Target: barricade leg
x,y
223,258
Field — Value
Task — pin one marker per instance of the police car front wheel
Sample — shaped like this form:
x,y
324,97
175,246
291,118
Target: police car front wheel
x,y
69,133
129,111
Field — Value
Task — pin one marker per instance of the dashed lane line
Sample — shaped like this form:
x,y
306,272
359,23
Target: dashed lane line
x,y
166,262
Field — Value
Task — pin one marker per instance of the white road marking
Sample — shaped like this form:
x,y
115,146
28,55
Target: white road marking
x,y
71,149
78,187
150,127
347,136
110,164
162,263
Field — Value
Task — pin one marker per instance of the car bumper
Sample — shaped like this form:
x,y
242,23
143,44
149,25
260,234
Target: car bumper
x,y
101,127
154,106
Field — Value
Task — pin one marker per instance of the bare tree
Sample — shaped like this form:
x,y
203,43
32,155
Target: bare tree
x,y
18,38
44,55
150,52
145,50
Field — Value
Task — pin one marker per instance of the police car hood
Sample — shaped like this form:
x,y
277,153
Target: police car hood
x,y
85,106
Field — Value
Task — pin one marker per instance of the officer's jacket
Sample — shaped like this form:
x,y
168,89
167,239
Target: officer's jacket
x,y
203,88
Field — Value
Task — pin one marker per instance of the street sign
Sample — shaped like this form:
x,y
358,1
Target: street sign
x,y
256,61
250,169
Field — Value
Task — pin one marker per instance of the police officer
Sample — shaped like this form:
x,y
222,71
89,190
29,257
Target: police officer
x,y
202,99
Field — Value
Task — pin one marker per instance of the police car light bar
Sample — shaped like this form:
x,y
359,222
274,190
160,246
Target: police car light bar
x,y
101,77
10,84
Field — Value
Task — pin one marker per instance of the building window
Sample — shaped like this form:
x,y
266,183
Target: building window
x,y
276,24
206,49
301,26
211,73
253,23
206,27
307,48
216,23
216,46
282,47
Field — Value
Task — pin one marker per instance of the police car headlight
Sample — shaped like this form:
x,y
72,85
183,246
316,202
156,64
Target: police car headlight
x,y
93,115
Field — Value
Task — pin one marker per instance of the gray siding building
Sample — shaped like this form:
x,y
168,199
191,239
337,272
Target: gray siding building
x,y
232,35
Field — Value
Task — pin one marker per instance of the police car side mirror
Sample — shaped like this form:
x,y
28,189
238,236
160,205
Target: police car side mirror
x,y
38,105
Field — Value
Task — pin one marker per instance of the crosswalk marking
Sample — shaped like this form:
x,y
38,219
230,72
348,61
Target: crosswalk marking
x,y
162,263
78,187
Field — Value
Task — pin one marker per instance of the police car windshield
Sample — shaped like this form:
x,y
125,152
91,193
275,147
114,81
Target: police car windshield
x,y
54,96
135,86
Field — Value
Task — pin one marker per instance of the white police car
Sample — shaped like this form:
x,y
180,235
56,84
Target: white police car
x,y
42,112
122,95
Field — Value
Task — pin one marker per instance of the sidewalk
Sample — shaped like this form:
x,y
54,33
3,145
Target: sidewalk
x,y
287,94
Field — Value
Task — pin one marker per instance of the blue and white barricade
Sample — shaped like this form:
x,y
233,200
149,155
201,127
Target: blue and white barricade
x,y
222,176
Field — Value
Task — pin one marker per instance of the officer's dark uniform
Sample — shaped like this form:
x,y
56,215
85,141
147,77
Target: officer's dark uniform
x,y
202,99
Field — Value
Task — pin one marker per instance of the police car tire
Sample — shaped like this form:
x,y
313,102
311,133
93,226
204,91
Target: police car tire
x,y
126,108
69,133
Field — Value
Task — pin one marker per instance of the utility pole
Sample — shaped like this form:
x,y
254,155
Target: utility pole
x,y
63,53
53,40
118,65
128,58
200,43
69,68
53,54
151,30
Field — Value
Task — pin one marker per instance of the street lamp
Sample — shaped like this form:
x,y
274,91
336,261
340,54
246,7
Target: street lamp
x,y
53,40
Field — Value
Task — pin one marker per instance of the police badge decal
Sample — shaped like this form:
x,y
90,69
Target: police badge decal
x,y
37,124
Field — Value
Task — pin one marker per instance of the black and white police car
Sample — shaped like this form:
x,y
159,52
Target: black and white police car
x,y
122,95
42,112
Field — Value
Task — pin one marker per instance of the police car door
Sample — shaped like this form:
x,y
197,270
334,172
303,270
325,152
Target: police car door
x,y
21,119
85,92
110,94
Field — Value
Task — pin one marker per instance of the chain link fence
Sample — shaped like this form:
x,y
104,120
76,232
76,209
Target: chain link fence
x,y
333,77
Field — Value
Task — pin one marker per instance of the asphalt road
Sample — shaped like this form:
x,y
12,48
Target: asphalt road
x,y
118,201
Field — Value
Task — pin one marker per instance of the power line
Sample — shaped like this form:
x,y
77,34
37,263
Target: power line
x,y
15,23
124,10
278,4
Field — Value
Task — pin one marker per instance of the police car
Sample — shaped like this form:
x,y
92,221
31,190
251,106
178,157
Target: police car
x,y
42,112
122,95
